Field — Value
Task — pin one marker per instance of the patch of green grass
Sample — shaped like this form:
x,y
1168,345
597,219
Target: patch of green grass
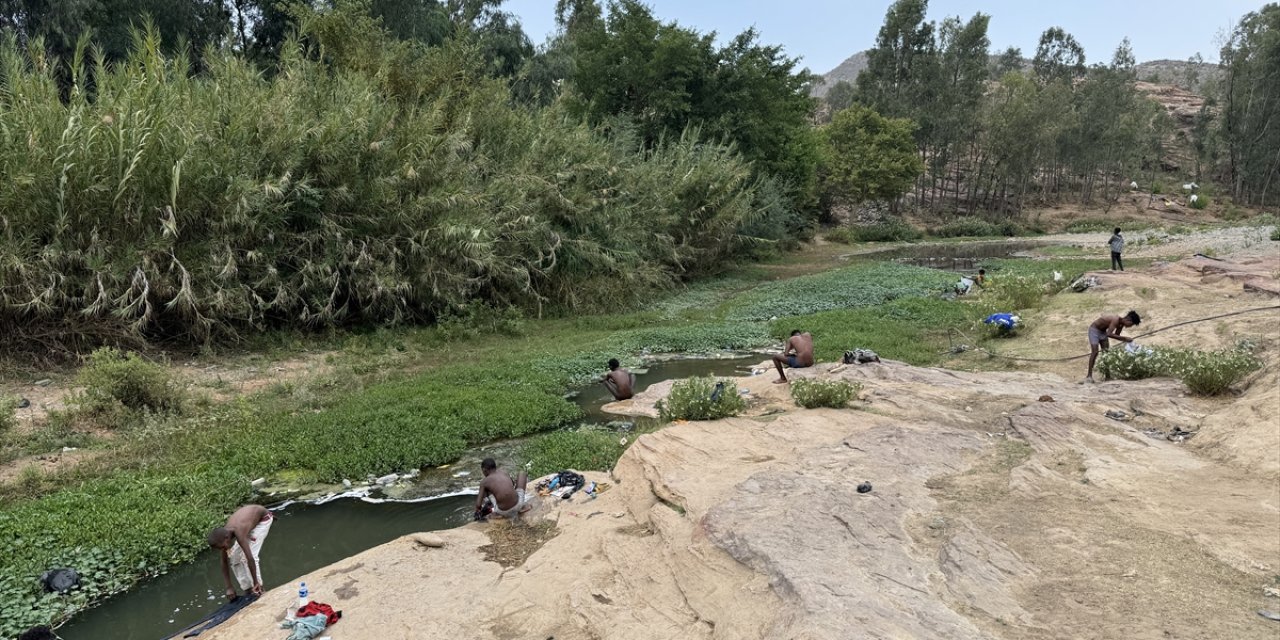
x,y
584,449
891,231
913,330
848,288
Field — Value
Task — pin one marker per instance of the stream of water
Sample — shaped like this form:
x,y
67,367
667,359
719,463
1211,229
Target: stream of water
x,y
306,537
960,257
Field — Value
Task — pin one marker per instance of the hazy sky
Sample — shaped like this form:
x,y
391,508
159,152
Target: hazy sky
x,y
825,32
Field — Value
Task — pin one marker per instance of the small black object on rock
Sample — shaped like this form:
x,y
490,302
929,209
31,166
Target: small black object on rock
x,y
60,580
24,403
864,487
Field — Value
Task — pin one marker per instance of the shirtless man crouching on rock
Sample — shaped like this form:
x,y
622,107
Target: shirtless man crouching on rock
x,y
620,382
798,354
505,495
240,542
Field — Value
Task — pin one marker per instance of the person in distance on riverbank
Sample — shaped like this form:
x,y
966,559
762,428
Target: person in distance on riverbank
x,y
240,543
1103,330
505,494
621,383
797,354
1117,246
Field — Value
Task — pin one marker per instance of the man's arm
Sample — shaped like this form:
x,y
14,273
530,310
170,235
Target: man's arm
x,y
484,491
226,574
1114,330
242,539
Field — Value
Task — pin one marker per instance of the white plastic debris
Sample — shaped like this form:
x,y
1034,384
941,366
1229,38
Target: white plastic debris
x,y
387,479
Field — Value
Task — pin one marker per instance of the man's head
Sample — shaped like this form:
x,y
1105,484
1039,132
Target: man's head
x,y
614,364
1117,230
221,538
982,272
1131,319
488,466
795,333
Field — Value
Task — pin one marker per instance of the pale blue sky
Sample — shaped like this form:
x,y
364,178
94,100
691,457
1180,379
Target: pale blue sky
x,y
825,32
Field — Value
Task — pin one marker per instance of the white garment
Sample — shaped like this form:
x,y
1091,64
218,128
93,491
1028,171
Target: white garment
x,y
240,566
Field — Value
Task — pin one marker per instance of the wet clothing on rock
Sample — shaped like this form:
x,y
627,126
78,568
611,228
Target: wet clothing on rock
x,y
860,356
306,628
219,616
240,566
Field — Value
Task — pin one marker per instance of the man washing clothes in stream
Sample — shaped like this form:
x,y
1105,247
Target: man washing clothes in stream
x,y
240,543
505,494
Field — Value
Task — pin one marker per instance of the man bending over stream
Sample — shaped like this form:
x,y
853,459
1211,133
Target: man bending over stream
x,y
240,542
798,354
505,494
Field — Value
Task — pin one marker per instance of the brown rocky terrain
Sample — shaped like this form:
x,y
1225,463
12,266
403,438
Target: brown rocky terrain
x,y
1005,505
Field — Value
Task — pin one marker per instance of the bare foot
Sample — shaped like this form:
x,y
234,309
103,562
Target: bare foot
x,y
782,381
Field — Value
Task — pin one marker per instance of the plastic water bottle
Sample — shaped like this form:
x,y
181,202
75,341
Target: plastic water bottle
x,y
302,595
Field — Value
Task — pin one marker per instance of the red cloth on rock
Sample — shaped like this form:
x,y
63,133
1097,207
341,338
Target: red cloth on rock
x,y
317,608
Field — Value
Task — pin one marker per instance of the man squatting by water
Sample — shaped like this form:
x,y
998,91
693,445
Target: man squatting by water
x,y
240,543
505,494
621,382
797,354
1103,330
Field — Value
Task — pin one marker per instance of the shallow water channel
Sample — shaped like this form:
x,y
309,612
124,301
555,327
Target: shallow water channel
x,y
306,537
960,256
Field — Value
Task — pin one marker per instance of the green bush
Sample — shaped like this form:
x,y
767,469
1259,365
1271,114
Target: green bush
x,y
1213,373
813,394
584,449
8,419
1015,293
1201,202
691,399
1204,372
477,319
841,235
1275,234
975,227
113,379
893,231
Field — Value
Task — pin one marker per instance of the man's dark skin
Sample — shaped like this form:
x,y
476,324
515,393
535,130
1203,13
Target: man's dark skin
x,y
798,354
240,524
619,381
499,484
1109,326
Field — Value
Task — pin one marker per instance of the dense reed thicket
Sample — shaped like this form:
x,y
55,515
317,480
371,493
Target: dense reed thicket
x,y
366,181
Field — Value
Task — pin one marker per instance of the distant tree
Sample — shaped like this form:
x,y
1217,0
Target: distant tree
x,y
1059,57
841,96
60,23
867,156
900,65
1010,61
1191,74
1250,117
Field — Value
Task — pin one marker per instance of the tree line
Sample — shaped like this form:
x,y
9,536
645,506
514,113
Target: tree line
x,y
995,134
241,165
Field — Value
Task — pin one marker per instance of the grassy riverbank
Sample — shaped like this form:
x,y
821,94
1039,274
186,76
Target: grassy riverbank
x,y
397,400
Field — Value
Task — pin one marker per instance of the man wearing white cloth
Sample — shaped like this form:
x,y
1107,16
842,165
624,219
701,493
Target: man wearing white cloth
x,y
240,543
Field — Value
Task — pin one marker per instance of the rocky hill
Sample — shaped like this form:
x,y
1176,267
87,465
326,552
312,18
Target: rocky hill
x,y
1179,73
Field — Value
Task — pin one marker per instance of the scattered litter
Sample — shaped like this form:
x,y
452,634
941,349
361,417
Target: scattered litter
x,y
1271,592
622,441
717,392
1137,349
387,479
1084,283
462,474
1154,433
44,383
1046,398
70,449
1179,435
258,483
24,403
1270,615
1006,321
860,356
743,391
1116,414
865,487
1057,276
60,580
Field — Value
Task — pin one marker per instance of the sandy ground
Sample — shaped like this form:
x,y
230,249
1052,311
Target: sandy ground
x,y
1006,504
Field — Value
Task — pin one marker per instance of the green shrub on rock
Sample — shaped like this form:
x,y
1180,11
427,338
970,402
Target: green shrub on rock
x,y
814,394
704,398
1205,373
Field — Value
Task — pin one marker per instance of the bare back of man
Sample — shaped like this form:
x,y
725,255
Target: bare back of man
x,y
797,354
240,543
1103,330
506,493
620,383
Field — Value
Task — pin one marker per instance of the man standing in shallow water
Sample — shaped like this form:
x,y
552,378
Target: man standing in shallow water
x,y
797,354
240,543
1105,328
